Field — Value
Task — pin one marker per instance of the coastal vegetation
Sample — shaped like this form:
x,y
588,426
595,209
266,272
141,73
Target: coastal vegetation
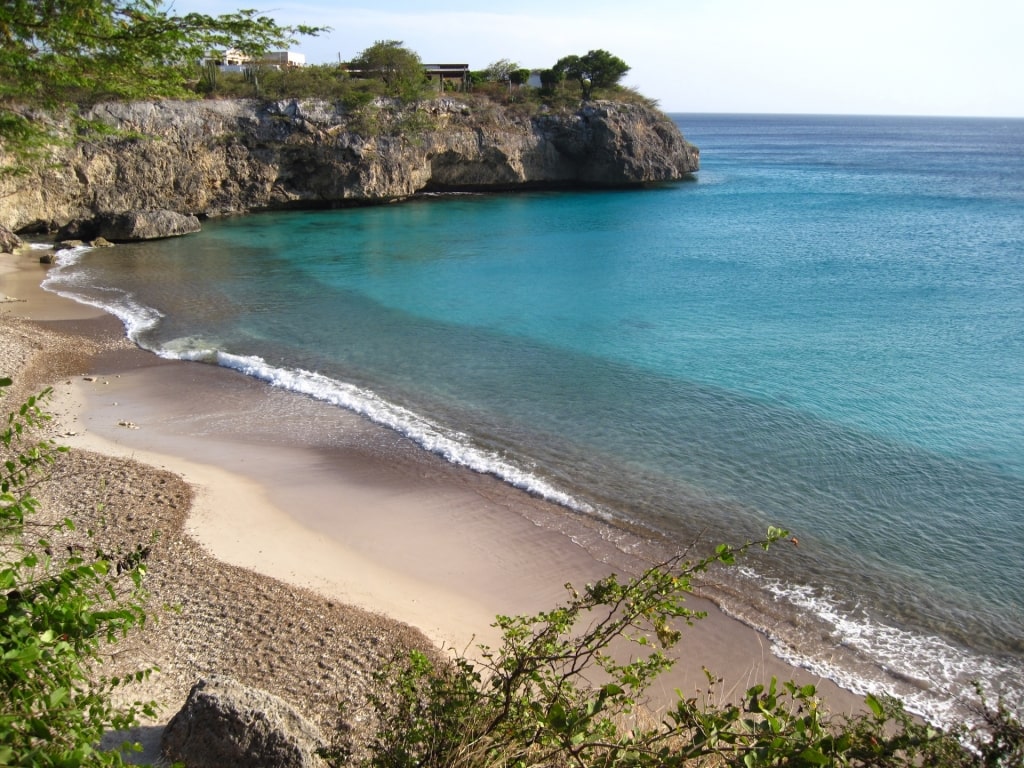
x,y
389,62
568,687
389,69
596,69
63,54
60,604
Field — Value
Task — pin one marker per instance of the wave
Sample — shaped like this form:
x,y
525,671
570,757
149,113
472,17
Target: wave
x,y
455,447
60,280
933,677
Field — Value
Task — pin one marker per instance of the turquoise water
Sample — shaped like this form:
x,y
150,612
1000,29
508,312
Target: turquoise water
x,y
823,331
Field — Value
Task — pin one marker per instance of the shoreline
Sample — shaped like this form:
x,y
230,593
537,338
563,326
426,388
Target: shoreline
x,y
358,514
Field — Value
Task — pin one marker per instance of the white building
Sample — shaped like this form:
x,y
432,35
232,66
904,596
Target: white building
x,y
233,60
285,59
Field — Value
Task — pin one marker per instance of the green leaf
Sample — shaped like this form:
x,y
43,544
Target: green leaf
x,y
874,705
814,757
557,718
725,554
57,696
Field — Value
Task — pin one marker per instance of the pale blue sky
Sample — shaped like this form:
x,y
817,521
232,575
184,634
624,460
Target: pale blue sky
x,y
917,57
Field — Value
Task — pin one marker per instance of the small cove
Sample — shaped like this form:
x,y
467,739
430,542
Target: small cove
x,y
824,332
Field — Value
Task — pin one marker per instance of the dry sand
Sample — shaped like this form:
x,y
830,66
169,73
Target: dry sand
x,y
303,544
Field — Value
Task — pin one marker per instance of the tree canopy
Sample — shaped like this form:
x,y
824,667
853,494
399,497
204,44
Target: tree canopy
x,y
597,69
501,71
69,52
399,67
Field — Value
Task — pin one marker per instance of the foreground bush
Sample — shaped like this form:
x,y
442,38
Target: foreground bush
x,y
555,693
57,612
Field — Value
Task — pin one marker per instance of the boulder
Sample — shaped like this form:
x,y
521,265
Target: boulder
x,y
8,240
224,723
145,225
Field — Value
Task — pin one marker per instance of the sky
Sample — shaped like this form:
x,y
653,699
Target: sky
x,y
880,57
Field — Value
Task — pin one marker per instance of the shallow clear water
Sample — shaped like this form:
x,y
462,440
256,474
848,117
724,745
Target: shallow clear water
x,y
824,331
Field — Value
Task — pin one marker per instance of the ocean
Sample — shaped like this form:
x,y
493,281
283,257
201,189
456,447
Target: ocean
x,y
823,331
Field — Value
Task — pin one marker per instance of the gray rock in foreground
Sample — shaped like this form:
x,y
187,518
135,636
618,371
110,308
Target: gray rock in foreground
x,y
224,723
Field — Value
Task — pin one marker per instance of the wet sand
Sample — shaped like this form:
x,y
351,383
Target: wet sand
x,y
299,493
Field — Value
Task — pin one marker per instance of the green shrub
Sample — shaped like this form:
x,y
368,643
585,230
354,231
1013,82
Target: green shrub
x,y
328,82
57,611
534,700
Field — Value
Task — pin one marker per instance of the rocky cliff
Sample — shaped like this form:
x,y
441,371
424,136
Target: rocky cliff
x,y
217,157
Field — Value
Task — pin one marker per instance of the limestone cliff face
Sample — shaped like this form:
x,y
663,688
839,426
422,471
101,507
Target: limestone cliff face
x,y
218,157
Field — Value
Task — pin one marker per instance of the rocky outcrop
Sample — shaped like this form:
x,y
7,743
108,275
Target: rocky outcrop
x,y
218,157
224,723
8,240
131,226
144,225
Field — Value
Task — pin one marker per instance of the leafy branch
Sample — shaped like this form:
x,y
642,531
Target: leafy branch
x,y
56,613
58,55
556,693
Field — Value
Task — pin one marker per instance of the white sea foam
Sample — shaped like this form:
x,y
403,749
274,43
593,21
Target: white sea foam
x,y
455,447
136,317
926,672
65,257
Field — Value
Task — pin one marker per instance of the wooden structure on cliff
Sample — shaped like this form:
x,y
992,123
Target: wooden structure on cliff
x,y
448,76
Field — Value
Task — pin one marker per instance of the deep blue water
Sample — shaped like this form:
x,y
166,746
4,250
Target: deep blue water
x,y
823,331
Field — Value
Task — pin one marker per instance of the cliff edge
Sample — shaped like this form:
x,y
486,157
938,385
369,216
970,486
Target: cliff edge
x,y
209,158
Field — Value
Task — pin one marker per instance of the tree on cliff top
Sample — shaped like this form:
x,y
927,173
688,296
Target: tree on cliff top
x,y
61,53
597,69
398,67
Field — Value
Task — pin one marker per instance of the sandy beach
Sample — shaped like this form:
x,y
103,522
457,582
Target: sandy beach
x,y
304,544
